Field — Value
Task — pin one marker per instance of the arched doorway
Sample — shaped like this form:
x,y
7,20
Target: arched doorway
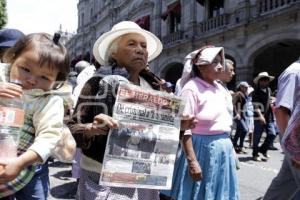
x,y
274,58
172,72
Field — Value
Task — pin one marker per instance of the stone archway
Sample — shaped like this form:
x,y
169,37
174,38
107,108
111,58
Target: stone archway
x,y
172,72
275,57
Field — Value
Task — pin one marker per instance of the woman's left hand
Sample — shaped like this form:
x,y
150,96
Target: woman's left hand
x,y
195,170
101,125
188,122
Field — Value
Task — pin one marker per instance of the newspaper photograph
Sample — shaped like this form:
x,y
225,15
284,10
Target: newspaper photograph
x,y
141,152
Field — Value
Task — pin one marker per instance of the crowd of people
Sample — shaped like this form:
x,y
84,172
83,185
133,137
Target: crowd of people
x,y
216,121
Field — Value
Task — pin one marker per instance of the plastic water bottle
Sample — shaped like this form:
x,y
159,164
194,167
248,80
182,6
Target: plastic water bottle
x,y
11,121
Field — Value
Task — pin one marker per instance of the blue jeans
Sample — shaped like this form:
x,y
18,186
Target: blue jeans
x,y
38,187
240,133
269,128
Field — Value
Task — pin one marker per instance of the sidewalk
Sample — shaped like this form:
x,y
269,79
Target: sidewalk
x,y
62,185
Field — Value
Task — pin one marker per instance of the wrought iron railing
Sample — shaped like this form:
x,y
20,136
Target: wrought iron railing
x,y
173,37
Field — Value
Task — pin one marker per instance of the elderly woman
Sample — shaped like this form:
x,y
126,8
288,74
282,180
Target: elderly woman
x,y
240,101
123,51
206,167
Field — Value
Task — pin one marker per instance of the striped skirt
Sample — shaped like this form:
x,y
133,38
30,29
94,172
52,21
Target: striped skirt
x,y
219,182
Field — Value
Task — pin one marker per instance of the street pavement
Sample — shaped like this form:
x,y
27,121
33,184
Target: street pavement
x,y
62,185
254,177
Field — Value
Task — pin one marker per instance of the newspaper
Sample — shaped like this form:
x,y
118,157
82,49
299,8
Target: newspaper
x,y
142,151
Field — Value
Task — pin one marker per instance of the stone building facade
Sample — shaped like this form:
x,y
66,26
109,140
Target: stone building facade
x,y
258,35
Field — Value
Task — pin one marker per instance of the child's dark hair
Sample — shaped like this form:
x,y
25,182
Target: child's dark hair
x,y
51,52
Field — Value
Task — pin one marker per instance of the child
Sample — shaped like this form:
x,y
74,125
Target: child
x,y
41,64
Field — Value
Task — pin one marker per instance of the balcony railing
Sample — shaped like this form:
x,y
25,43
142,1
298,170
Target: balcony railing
x,y
265,6
214,23
173,37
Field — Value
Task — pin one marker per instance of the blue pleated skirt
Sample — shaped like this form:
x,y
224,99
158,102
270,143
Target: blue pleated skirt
x,y
219,182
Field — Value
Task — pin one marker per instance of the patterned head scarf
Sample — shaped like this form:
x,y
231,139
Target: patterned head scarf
x,y
202,56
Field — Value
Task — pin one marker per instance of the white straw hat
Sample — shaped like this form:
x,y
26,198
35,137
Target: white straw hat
x,y
263,75
154,46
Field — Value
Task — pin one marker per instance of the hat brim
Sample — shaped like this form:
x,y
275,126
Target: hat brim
x,y
154,46
212,53
244,85
7,44
256,79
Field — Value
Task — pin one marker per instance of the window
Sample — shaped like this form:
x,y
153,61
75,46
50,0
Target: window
x,y
144,22
173,14
174,22
215,8
91,15
82,19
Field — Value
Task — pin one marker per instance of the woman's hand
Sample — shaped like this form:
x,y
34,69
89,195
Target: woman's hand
x,y
193,165
195,170
262,120
237,117
10,90
160,83
295,164
101,125
188,122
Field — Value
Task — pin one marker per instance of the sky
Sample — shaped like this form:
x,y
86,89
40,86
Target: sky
x,y
31,16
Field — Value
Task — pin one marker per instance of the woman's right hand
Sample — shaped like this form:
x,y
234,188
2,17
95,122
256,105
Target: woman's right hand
x,y
10,90
101,125
195,170
237,117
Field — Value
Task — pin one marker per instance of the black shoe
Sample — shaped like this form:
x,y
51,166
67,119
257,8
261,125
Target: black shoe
x,y
264,154
237,149
164,197
273,148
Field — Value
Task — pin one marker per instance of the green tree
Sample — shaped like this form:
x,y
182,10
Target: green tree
x,y
3,14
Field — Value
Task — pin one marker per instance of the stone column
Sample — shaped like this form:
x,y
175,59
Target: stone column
x,y
156,20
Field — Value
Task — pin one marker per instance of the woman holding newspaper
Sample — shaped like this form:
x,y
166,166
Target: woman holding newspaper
x,y
206,166
125,50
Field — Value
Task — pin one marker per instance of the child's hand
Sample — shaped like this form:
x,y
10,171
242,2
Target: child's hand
x,y
10,90
10,170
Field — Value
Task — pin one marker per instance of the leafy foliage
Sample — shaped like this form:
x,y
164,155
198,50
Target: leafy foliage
x,y
3,13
